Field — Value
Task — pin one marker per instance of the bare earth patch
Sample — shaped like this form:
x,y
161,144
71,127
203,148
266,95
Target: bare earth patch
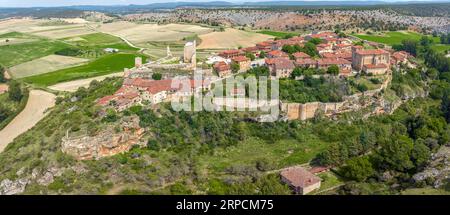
x,y
142,33
230,39
38,102
44,65
65,32
72,86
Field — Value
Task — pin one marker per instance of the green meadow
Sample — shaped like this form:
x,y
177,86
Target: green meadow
x,y
102,66
102,40
279,34
11,55
396,37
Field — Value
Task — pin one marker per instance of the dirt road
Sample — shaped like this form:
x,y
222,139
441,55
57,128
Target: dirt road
x,y
72,86
38,102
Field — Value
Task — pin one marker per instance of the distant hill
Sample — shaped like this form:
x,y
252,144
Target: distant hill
x,y
411,8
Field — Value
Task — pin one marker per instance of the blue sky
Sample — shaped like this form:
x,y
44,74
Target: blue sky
x,y
46,3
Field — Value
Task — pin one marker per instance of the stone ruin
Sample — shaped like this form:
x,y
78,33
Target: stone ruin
x,y
106,143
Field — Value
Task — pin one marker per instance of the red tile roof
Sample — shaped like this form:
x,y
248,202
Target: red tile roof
x,y
240,59
277,53
372,52
332,61
160,85
300,177
318,169
105,100
282,63
300,55
305,61
221,66
345,55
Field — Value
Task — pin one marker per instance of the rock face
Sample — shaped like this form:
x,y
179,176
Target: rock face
x,y
438,168
106,143
8,187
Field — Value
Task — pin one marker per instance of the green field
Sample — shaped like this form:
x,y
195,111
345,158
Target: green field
x,y
101,40
12,55
330,181
425,191
283,153
396,37
279,34
101,66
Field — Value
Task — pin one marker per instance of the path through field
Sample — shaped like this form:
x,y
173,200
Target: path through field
x,y
36,109
73,86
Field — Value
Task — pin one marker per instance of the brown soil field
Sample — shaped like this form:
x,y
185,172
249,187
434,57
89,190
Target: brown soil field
x,y
36,109
72,86
230,39
44,65
142,33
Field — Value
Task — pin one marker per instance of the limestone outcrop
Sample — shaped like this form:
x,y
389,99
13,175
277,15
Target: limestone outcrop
x,y
106,143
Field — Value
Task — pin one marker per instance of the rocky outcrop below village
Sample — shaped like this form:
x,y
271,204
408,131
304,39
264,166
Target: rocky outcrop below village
x,y
437,171
108,142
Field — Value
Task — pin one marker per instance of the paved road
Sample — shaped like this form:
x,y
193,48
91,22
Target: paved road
x,y
35,110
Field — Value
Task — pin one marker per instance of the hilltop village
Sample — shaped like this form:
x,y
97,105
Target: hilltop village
x,y
335,52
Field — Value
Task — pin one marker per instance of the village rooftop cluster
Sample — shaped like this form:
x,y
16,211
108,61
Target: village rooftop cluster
x,y
332,50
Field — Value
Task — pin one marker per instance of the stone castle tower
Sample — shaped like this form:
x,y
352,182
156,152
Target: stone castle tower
x,y
190,53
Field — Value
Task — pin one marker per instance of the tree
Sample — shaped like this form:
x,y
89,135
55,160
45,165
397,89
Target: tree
x,y
315,41
362,87
333,70
4,112
156,76
15,91
288,49
410,46
262,54
235,67
296,72
396,154
2,74
310,49
445,105
420,154
425,41
358,168
250,56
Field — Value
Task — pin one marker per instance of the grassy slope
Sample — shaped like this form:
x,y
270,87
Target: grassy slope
x,y
102,66
102,40
14,107
392,38
12,55
277,33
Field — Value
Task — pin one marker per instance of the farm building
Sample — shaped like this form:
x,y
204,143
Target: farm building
x,y
300,180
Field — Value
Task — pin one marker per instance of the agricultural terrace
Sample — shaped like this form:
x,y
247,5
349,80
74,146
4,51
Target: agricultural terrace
x,y
18,53
102,66
278,34
230,39
45,64
100,40
140,34
396,37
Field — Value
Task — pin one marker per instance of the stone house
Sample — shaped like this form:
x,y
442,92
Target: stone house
x,y
244,62
300,180
371,58
280,67
222,69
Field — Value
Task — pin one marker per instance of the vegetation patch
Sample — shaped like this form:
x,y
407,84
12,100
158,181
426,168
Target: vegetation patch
x,y
102,66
